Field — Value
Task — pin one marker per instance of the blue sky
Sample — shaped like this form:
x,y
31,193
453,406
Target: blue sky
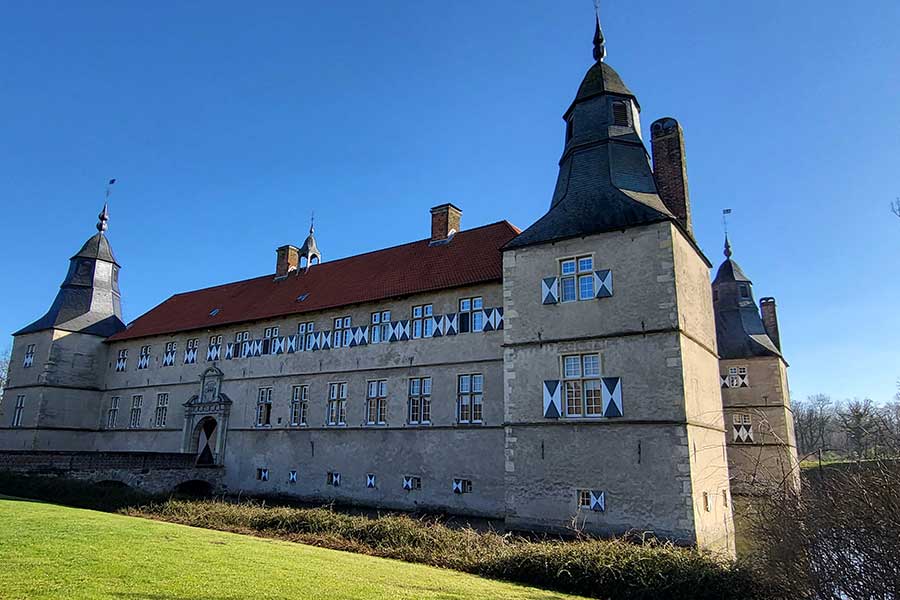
x,y
228,123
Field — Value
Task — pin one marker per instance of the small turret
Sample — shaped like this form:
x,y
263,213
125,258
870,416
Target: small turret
x,y
310,250
88,300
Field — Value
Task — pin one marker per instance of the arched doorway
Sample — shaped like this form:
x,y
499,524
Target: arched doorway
x,y
204,441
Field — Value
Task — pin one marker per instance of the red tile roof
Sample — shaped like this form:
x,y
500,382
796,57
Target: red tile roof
x,y
472,256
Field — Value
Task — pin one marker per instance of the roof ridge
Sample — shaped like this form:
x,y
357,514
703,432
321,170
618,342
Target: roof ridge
x,y
337,260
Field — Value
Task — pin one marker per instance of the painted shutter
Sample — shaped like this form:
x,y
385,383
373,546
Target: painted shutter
x,y
552,393
457,486
370,480
292,477
598,501
611,388
407,483
550,290
603,283
337,479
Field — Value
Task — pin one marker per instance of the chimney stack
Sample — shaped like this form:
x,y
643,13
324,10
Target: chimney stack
x,y
670,169
445,220
770,319
288,259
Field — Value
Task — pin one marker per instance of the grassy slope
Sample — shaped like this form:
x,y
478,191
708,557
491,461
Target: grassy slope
x,y
49,551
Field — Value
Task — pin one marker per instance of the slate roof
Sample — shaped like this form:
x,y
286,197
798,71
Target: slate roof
x,y
97,247
471,256
740,332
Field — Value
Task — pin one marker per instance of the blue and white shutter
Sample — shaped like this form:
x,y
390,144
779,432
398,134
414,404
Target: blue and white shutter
x,y
292,477
457,486
603,283
407,483
611,392
550,290
552,399
370,480
598,501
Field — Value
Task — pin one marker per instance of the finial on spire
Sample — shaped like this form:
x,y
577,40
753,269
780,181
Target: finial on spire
x,y
312,222
727,247
599,40
104,214
103,218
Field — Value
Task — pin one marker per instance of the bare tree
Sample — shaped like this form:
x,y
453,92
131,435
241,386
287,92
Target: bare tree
x,y
860,425
813,422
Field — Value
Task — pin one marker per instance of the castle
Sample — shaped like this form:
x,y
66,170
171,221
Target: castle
x,y
580,370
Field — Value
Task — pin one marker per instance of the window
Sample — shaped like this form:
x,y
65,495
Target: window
x,y
584,498
337,404
215,340
193,344
581,375
307,334
262,474
569,129
241,336
576,279
169,356
412,482
121,360
299,404
264,407
137,402
342,332
420,400
144,360
190,352
421,321
162,408
376,328
112,415
18,411
471,317
271,332
171,346
333,478
745,291
29,356
302,330
470,394
707,505
376,402
621,116
737,377
462,486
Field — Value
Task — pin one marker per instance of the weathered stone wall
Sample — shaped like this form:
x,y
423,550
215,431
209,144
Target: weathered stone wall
x,y
151,472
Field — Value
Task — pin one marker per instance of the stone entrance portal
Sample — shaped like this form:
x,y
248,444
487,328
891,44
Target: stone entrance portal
x,y
206,420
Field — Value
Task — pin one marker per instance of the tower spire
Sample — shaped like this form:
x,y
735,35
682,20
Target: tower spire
x,y
599,40
103,218
727,247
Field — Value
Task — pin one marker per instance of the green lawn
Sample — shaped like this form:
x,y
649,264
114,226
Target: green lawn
x,y
49,551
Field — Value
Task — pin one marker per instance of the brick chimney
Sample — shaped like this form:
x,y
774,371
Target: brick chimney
x,y
445,220
288,260
670,169
770,319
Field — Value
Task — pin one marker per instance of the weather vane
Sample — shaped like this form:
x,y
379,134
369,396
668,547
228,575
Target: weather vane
x,y
725,213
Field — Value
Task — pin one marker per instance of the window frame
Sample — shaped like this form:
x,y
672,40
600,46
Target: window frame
x,y
112,413
376,402
162,410
578,382
336,404
18,411
420,399
577,278
469,398
137,407
470,308
421,325
264,407
583,498
299,405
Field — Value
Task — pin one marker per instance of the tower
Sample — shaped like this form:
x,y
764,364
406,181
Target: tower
x,y
612,406
57,362
762,448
